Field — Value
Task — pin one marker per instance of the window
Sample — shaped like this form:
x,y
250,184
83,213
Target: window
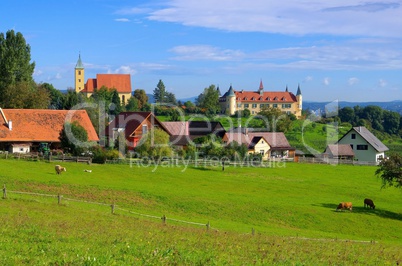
x,y
351,145
144,129
246,105
362,147
262,105
275,105
79,72
262,152
254,105
353,136
239,105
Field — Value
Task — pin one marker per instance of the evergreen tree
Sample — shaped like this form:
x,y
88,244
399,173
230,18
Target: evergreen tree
x,y
160,92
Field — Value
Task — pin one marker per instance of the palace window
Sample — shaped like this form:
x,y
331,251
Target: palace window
x,y
246,105
254,105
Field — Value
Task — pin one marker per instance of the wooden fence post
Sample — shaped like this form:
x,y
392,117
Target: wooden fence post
x,y
4,192
252,231
208,225
112,206
164,219
59,199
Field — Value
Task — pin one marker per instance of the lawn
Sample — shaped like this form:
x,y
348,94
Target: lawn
x,y
278,214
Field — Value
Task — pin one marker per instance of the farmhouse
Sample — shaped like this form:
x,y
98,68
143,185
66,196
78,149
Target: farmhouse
x,y
120,82
182,133
133,125
22,130
268,144
339,151
365,145
255,101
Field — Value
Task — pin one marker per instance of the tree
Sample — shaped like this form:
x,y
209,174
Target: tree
x,y
56,96
170,98
133,104
274,120
154,144
390,171
391,122
117,108
78,132
347,114
209,100
15,57
24,95
142,98
71,99
160,92
161,95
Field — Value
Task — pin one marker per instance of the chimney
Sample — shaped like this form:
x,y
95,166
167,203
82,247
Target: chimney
x,y
10,125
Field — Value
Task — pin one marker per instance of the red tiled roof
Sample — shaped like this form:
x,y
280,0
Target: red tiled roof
x,y
274,96
130,121
121,82
41,125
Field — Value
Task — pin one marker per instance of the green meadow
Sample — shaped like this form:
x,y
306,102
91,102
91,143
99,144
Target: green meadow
x,y
278,214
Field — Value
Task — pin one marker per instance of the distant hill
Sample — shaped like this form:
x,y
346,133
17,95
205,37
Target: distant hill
x,y
395,106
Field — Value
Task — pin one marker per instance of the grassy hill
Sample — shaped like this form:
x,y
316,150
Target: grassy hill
x,y
290,207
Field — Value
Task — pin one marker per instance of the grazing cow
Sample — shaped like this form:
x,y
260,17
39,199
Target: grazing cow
x,y
344,205
59,169
369,203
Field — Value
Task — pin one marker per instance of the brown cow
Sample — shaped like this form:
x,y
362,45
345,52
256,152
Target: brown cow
x,y
369,203
344,205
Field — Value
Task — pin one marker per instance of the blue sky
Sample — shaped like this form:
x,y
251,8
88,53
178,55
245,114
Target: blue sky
x,y
336,50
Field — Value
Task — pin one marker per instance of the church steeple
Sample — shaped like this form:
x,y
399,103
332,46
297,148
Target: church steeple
x,y
79,64
79,75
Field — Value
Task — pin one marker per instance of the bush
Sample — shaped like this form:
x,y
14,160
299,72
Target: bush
x,y
100,155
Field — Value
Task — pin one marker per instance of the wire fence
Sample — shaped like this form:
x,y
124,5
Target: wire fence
x,y
163,218
112,206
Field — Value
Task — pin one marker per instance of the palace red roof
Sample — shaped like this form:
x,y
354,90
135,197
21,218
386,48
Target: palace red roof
x,y
269,96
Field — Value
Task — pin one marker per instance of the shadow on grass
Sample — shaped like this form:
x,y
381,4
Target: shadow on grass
x,y
201,168
368,211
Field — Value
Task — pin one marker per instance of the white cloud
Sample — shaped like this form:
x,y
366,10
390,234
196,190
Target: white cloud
x,y
353,81
125,70
58,76
326,81
298,17
205,52
133,11
122,20
382,83
308,79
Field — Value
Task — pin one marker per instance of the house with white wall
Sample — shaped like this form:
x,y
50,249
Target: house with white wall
x,y
366,146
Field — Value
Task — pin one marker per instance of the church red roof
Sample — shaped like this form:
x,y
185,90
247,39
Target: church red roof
x,y
121,82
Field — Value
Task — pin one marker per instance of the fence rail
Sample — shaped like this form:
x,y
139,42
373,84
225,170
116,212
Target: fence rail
x,y
35,156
